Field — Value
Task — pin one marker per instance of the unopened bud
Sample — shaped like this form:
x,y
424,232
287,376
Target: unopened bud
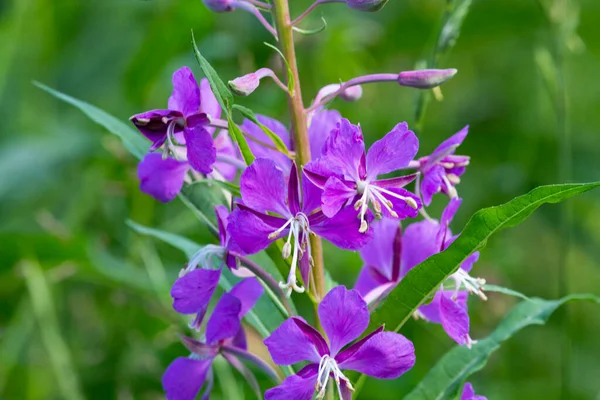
x,y
366,5
219,5
245,85
353,93
425,78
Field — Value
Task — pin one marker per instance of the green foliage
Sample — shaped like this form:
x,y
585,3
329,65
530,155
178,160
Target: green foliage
x,y
423,280
446,378
277,141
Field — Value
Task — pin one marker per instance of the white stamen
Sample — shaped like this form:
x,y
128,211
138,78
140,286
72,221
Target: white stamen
x,y
453,179
450,188
203,258
297,243
327,367
472,285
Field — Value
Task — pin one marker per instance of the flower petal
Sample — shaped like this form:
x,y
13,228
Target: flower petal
x,y
161,178
293,192
264,188
289,344
455,319
401,207
321,125
450,211
184,378
201,152
386,355
250,232
379,252
225,320
224,146
344,316
294,387
343,229
469,393
432,183
152,125
335,195
344,149
369,278
431,311
419,242
261,151
248,291
192,292
186,93
448,146
222,213
394,151
467,265
208,102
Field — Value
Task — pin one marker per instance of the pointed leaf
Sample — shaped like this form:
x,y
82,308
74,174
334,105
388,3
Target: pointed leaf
x,y
182,243
279,145
238,137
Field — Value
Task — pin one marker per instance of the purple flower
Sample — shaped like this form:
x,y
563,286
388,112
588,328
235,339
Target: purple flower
x,y
183,122
161,178
197,282
186,376
353,173
469,394
344,316
442,169
274,207
392,253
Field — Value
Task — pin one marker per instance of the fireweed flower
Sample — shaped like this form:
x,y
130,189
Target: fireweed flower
x,y
442,169
272,208
353,173
197,282
183,121
469,394
186,376
344,316
392,253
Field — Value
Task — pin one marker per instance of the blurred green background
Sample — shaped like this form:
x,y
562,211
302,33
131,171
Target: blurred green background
x,y
84,300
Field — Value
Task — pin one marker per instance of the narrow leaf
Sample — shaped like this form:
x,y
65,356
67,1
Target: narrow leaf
x,y
287,65
219,88
238,137
182,243
279,145
135,143
202,196
449,374
423,280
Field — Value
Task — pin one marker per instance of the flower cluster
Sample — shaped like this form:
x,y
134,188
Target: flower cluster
x,y
356,197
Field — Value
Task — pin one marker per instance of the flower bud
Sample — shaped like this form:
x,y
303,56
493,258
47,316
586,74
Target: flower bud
x,y
245,85
425,78
219,5
366,5
353,93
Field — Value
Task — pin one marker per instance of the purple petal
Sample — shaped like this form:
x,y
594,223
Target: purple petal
x,y
394,151
455,319
386,355
432,183
431,311
184,378
467,265
152,125
401,207
289,344
318,172
397,182
304,264
321,125
250,232
448,146
344,316
201,152
294,387
311,195
264,188
186,94
353,348
201,349
379,252
239,340
342,230
293,192
224,146
469,393
161,178
335,195
192,292
369,279
248,291
450,211
419,242
222,213
344,149
261,151
208,102
225,320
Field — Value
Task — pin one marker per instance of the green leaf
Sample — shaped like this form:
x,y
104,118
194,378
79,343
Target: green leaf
x,y
202,197
238,137
279,145
423,280
219,88
503,290
446,378
184,244
135,143
310,32
287,64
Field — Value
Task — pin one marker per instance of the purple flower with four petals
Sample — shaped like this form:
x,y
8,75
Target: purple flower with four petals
x,y
442,169
186,376
348,174
272,208
344,316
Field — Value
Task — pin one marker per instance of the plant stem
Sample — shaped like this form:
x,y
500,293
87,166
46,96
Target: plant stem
x,y
284,26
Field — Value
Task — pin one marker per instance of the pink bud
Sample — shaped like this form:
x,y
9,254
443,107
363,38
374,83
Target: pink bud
x,y
425,78
245,85
366,5
353,93
219,5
